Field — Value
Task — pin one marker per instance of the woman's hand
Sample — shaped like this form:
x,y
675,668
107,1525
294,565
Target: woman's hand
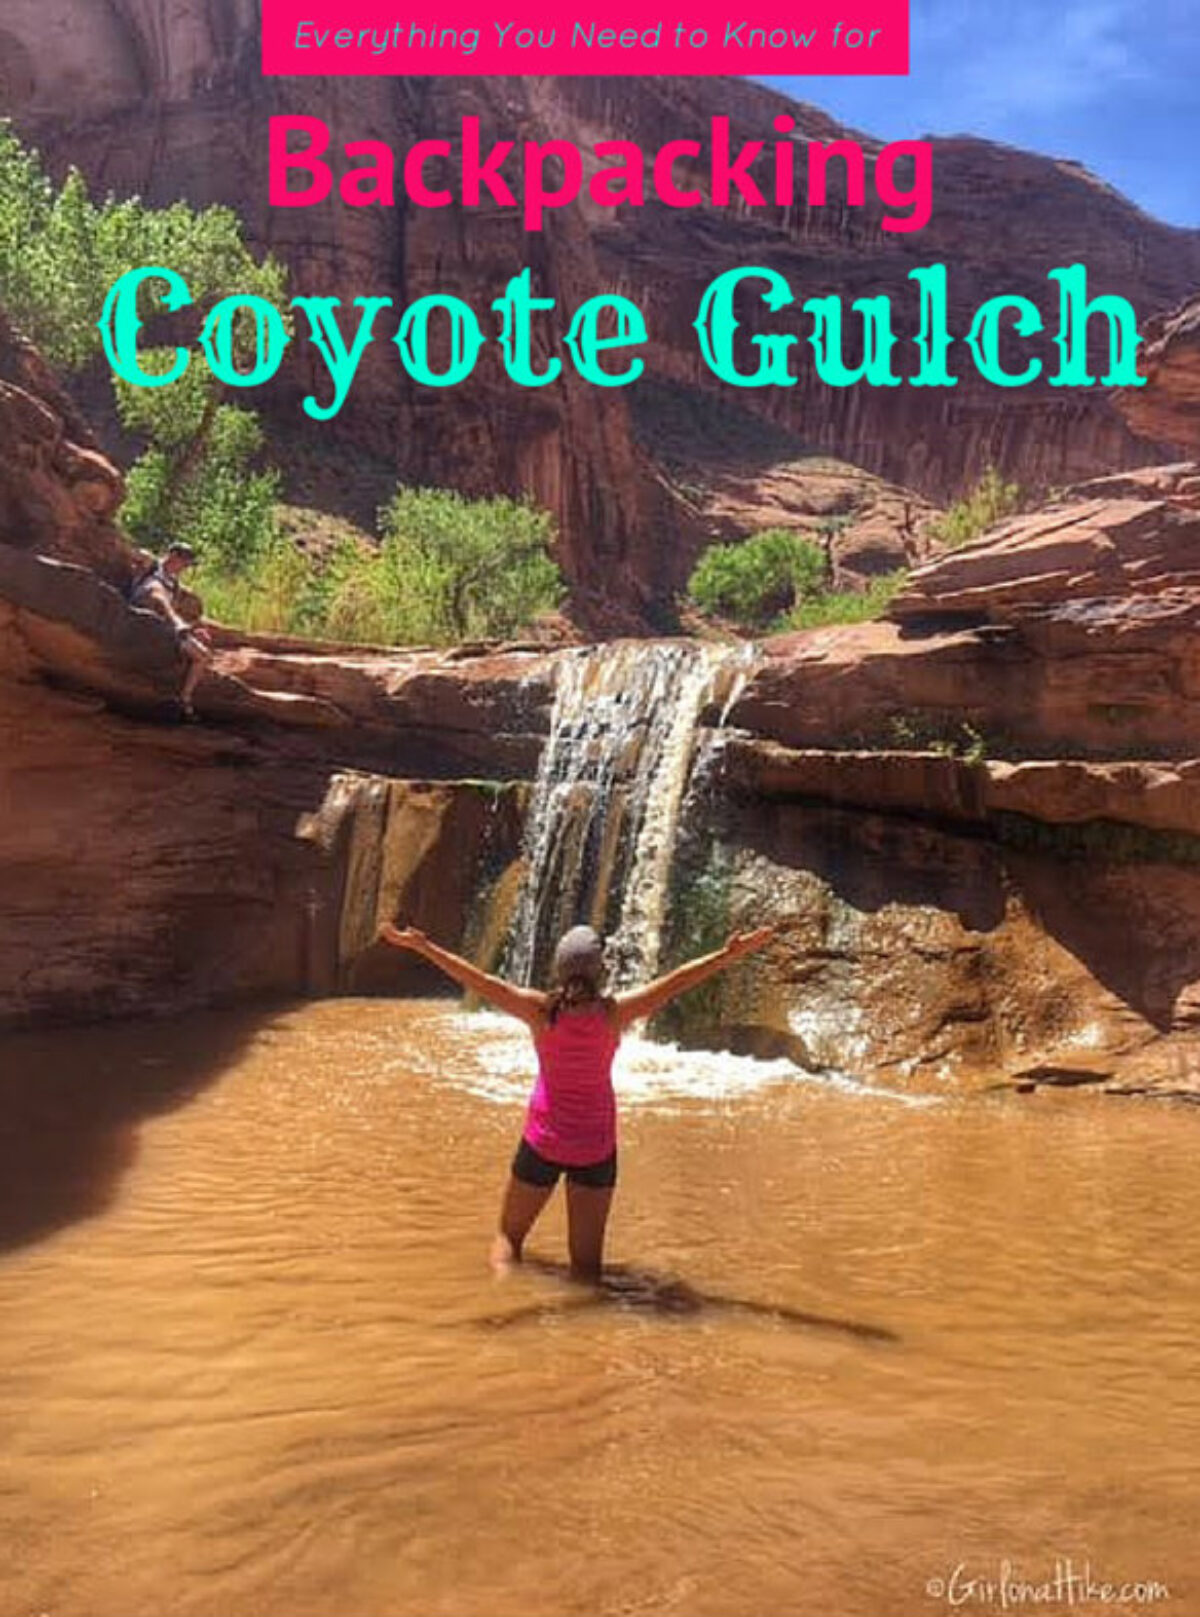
x,y
639,1002
403,937
743,943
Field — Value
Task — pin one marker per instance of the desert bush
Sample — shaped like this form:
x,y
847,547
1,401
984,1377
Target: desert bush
x,y
753,582
989,502
453,569
847,606
448,569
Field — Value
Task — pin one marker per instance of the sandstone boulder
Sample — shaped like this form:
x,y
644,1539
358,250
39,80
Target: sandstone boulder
x,y
58,494
1168,407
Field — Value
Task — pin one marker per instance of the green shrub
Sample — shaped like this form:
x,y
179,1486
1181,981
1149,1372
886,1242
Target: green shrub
x,y
926,732
753,582
848,606
453,569
448,569
989,502
271,593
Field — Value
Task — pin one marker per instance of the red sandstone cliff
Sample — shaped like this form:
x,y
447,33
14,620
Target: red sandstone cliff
x,y
58,495
976,825
1169,406
983,815
173,104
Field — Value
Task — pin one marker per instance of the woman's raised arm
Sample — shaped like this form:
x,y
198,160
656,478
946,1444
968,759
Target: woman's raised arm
x,y
524,1003
640,1002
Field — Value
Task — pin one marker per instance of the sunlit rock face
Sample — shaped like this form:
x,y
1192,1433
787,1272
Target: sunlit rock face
x,y
1169,406
58,493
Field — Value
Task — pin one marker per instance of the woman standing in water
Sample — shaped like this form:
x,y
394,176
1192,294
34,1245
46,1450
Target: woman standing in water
x,y
571,1124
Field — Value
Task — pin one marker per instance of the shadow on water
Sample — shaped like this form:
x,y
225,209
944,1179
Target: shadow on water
x,y
72,1100
645,1291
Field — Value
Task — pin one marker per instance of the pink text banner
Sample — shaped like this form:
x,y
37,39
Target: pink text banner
x,y
454,36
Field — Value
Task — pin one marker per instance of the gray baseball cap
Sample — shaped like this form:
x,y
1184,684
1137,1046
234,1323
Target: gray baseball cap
x,y
580,953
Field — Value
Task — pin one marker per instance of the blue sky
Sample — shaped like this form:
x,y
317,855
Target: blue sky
x,y
1112,83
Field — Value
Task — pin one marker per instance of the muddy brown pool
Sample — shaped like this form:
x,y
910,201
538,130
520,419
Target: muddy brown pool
x,y
252,1360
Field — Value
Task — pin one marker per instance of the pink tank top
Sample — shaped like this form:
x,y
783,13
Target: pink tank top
x,y
572,1115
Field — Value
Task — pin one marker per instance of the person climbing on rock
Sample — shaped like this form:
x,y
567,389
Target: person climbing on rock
x,y
160,590
570,1125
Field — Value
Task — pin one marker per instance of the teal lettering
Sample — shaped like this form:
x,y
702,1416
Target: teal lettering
x,y
1074,313
342,364
516,309
586,343
119,326
270,341
412,340
984,340
933,340
716,325
878,341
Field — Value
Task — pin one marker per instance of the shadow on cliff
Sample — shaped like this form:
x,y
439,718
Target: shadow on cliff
x,y
72,1103
1131,924
1127,919
872,860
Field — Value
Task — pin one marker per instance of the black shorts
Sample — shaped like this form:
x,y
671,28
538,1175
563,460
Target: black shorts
x,y
531,1168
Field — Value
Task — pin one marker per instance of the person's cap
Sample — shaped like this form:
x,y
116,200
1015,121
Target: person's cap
x,y
580,953
184,551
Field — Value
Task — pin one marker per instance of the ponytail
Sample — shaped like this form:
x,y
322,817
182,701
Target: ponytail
x,y
577,990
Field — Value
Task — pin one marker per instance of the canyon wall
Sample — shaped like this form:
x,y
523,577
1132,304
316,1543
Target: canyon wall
x,y
147,865
975,825
173,104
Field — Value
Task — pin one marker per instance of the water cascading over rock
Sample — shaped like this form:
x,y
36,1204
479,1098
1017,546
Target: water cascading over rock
x,y
605,808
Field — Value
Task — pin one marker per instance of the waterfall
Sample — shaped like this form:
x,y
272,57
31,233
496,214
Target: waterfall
x,y
605,807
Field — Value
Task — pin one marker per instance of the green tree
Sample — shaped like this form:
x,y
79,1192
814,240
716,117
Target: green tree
x,y
753,582
200,477
454,569
60,253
